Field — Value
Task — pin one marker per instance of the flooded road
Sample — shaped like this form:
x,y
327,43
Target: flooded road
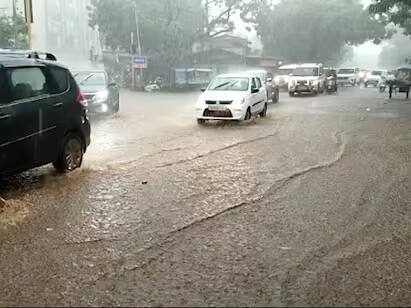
x,y
309,206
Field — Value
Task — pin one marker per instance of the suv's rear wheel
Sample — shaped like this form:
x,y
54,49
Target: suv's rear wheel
x,y
71,154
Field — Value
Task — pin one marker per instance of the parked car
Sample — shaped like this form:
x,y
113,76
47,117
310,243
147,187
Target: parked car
x,y
273,91
100,90
232,97
42,114
283,76
374,78
307,78
348,76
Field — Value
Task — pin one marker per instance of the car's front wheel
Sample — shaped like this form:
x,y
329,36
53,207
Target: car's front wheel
x,y
71,154
263,113
201,121
248,114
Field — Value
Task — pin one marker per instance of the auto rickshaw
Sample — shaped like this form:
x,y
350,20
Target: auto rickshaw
x,y
401,83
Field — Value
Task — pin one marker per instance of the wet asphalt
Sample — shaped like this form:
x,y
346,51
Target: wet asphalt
x,y
310,206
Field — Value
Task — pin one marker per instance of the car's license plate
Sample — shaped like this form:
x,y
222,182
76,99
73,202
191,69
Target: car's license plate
x,y
217,108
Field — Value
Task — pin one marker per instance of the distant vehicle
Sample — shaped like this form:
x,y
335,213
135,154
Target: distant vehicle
x,y
373,78
101,92
232,97
273,91
402,81
307,78
331,81
348,76
283,76
42,114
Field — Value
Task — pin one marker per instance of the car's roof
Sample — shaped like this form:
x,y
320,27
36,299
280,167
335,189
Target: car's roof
x,y
237,75
23,62
288,67
88,71
308,65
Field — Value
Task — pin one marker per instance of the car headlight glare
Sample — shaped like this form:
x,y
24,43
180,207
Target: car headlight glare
x,y
102,96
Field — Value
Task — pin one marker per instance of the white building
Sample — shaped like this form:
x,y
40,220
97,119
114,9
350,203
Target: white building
x,y
61,27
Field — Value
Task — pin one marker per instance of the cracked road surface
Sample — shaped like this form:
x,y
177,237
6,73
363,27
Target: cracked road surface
x,y
310,206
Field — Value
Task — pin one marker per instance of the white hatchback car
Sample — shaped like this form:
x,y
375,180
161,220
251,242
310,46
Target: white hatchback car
x,y
232,97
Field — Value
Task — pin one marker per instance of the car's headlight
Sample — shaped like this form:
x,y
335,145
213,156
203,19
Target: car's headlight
x,y
102,96
242,101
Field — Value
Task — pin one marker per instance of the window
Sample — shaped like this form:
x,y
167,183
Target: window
x,y
259,85
253,84
229,84
27,82
90,78
58,80
4,90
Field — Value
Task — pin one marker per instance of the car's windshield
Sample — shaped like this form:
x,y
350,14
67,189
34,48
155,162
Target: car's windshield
x,y
285,72
377,73
90,78
306,71
346,71
229,84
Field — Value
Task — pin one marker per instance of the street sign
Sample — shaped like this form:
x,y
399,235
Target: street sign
x,y
139,62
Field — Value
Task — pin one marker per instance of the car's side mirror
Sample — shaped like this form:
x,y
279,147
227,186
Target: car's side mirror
x,y
254,90
269,79
112,84
203,89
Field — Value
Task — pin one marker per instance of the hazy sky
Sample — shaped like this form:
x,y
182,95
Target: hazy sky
x,y
365,56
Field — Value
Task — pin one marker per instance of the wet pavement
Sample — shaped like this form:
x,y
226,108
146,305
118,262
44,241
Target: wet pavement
x,y
309,206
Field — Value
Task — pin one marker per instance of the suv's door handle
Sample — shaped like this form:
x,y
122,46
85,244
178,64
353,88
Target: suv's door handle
x,y
5,116
57,105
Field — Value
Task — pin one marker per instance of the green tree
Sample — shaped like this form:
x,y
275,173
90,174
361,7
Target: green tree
x,y
315,30
397,12
396,52
9,32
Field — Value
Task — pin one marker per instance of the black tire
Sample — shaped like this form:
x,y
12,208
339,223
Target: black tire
x,y
71,154
116,108
201,122
276,97
292,94
248,114
263,113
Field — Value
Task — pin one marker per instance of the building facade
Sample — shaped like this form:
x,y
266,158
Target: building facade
x,y
61,27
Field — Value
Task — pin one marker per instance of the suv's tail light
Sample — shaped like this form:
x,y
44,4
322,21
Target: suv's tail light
x,y
80,99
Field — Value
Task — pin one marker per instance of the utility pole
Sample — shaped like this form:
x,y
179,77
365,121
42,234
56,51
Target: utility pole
x,y
138,41
28,9
133,74
14,22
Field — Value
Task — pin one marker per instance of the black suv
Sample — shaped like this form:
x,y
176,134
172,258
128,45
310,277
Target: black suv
x,y
42,114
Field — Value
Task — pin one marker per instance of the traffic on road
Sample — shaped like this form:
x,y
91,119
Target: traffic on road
x,y
205,153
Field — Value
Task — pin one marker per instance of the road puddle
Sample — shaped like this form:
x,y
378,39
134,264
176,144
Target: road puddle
x,y
13,213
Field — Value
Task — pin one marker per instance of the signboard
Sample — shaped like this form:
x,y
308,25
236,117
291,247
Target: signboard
x,y
139,62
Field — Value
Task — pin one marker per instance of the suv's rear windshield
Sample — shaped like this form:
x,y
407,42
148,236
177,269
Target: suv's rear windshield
x,y
229,84
90,78
346,71
306,71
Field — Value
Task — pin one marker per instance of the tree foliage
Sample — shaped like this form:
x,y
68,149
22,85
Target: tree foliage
x,y
314,30
397,12
396,52
168,27
8,32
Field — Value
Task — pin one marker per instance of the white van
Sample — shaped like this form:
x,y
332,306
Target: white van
x,y
283,76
